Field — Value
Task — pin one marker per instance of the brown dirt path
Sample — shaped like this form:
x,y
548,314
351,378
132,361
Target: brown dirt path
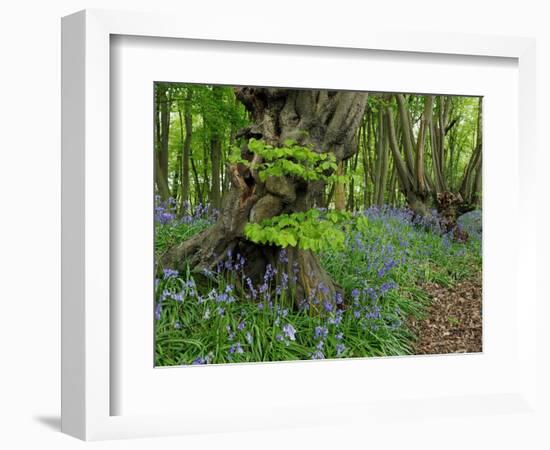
x,y
454,321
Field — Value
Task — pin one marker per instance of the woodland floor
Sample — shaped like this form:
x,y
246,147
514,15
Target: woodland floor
x,y
410,290
454,319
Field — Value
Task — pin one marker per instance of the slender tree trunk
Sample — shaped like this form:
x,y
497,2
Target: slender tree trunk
x,y
419,160
415,200
164,99
351,195
232,138
215,189
176,183
407,132
184,202
381,167
339,191
215,156
476,194
199,192
366,151
379,139
330,195
161,144
437,134
393,187
471,181
205,172
398,161
476,191
162,184
383,170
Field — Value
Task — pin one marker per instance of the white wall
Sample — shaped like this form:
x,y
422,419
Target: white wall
x,y
30,188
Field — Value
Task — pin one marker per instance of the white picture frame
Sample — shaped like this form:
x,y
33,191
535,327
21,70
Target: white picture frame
x,y
87,326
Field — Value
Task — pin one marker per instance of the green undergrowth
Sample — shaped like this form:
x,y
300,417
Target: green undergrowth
x,y
386,258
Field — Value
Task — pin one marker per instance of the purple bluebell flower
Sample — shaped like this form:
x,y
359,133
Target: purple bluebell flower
x,y
170,273
323,289
303,305
230,334
269,273
336,319
318,355
372,293
158,311
222,298
236,348
165,294
263,288
289,331
177,297
386,287
253,291
321,332
373,313
284,280
295,268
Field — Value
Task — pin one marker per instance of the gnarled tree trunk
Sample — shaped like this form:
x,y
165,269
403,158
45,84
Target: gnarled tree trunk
x,y
324,120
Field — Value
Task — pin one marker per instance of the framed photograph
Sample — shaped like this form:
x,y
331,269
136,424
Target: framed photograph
x,y
259,229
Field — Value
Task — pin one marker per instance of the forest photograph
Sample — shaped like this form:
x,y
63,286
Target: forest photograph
x,y
310,224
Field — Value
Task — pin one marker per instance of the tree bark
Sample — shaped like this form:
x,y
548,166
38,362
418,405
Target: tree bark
x,y
215,156
188,119
367,138
162,184
351,195
407,131
326,121
383,170
198,190
470,186
419,160
215,188
416,200
339,192
164,106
